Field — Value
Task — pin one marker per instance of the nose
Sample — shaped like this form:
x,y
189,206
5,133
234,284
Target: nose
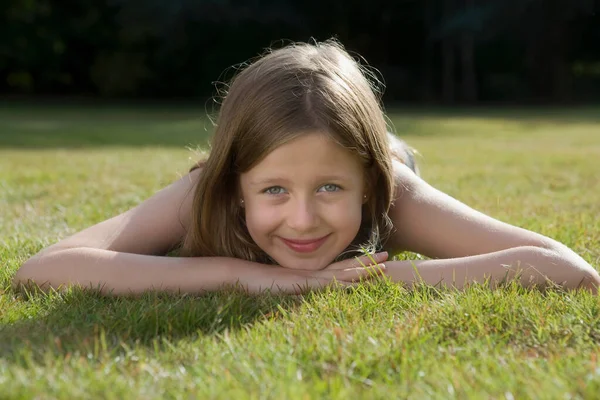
x,y
303,215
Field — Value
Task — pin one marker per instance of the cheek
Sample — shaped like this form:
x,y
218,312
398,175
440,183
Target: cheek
x,y
346,218
343,217
261,221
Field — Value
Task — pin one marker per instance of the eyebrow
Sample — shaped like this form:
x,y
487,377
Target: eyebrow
x,y
269,181
280,181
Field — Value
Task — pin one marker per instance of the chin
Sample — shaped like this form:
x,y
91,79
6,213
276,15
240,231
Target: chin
x,y
309,264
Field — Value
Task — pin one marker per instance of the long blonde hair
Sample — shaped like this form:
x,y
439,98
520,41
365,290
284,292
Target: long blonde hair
x,y
282,95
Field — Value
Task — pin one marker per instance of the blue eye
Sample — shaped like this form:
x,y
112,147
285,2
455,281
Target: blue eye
x,y
330,187
275,190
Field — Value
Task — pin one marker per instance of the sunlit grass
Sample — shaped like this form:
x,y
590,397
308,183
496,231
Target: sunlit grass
x,y
63,169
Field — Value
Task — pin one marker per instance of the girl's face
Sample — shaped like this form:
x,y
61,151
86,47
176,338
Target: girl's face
x,y
303,201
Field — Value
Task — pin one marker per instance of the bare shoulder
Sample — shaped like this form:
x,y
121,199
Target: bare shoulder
x,y
430,222
153,227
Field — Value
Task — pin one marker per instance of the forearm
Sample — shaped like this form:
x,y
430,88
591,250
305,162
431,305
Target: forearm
x,y
532,266
125,273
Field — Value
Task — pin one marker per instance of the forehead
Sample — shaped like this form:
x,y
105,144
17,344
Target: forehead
x,y
313,153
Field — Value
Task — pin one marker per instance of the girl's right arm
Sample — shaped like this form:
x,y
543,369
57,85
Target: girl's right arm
x,y
125,255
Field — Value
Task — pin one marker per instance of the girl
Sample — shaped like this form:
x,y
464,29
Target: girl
x,y
301,175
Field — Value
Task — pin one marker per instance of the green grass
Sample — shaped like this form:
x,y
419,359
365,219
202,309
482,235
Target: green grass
x,y
65,168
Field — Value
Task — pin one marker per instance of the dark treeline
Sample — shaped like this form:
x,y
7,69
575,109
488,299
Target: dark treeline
x,y
427,50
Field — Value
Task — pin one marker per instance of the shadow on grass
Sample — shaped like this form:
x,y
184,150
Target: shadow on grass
x,y
72,125
80,322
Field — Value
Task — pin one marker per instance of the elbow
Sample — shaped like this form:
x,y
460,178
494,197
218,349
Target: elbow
x,y
30,274
576,273
25,274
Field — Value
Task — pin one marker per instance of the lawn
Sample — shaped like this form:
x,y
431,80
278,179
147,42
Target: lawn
x,y
65,168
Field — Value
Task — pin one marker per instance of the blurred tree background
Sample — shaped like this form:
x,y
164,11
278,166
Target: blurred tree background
x,y
434,51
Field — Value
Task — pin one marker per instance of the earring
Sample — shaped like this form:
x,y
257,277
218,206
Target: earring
x,y
242,202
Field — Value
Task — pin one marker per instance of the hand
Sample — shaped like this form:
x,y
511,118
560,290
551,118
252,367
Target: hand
x,y
343,273
358,263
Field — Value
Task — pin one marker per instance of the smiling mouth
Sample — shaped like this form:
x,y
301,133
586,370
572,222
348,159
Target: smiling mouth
x,y
306,245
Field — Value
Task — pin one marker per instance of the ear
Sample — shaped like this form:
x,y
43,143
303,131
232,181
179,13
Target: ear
x,y
368,186
238,193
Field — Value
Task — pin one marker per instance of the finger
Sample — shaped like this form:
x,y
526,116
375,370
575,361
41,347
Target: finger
x,y
357,262
374,271
362,273
370,259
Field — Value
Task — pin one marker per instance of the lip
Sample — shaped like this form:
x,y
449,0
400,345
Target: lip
x,y
304,245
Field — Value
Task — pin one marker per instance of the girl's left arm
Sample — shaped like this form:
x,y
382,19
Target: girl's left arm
x,y
468,246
